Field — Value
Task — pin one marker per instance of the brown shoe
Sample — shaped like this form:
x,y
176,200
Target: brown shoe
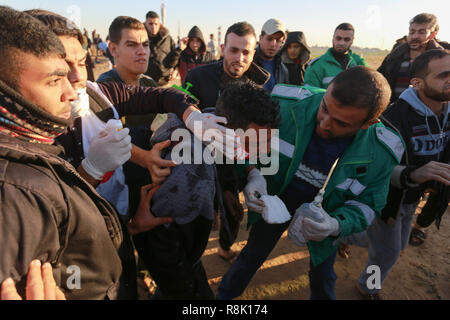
x,y
368,296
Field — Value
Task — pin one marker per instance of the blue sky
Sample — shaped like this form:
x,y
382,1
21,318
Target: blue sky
x,y
377,22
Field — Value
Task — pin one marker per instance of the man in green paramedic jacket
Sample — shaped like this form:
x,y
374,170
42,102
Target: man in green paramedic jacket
x,y
321,71
317,128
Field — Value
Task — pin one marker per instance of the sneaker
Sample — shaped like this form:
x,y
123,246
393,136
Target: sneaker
x,y
368,296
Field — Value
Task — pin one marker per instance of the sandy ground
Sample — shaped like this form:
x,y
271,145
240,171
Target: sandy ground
x,y
421,273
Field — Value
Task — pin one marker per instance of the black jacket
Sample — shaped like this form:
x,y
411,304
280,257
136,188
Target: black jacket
x,y
426,140
281,72
207,81
162,57
50,213
392,63
187,60
296,68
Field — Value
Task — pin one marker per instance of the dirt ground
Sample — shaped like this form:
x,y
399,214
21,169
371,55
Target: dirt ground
x,y
422,273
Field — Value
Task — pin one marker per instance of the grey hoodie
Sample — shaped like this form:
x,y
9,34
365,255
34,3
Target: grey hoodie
x,y
410,96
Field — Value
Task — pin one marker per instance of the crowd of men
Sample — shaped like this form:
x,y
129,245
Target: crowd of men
x,y
85,182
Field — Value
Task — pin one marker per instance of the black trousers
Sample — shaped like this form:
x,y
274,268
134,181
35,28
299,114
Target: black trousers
x,y
234,214
173,258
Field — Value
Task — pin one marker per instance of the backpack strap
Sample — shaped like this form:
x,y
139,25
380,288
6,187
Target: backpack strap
x,y
99,104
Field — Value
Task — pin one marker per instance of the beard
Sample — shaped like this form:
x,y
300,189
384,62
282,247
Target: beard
x,y
435,95
231,70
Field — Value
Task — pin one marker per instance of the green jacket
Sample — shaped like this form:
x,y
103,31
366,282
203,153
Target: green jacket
x,y
359,186
322,70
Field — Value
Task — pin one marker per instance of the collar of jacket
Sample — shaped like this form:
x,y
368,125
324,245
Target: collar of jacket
x,y
258,60
162,34
20,151
328,56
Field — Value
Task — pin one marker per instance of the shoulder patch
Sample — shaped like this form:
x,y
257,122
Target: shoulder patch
x,y
392,141
288,91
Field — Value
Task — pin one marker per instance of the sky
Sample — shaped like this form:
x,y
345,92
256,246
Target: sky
x,y
378,23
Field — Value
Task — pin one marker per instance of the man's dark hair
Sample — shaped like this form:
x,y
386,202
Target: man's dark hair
x,y
419,68
362,87
151,15
22,33
120,23
241,29
244,102
345,26
428,18
60,25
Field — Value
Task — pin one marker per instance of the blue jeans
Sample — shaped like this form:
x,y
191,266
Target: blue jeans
x,y
262,239
385,242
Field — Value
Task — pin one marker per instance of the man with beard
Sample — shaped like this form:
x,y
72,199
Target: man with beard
x,y
266,56
207,84
421,116
319,129
321,71
421,37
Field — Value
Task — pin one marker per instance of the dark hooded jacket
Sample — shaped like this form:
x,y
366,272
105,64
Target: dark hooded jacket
x,y
188,60
392,63
427,139
209,80
296,68
48,212
162,57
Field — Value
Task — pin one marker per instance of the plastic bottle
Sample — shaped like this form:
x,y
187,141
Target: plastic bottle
x,y
113,125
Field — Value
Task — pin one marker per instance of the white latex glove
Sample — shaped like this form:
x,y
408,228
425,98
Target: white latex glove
x,y
107,152
317,231
255,183
206,125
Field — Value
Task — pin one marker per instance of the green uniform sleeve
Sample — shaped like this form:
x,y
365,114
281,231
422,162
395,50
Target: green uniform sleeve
x,y
313,75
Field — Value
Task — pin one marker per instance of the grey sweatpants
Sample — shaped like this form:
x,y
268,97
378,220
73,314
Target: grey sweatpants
x,y
385,242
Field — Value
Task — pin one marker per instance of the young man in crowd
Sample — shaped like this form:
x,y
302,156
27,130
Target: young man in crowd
x,y
421,37
54,223
318,129
98,103
162,50
322,70
208,83
295,55
172,253
421,116
129,45
270,42
195,54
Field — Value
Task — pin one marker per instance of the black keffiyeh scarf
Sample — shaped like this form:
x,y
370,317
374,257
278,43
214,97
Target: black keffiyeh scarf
x,y
25,121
